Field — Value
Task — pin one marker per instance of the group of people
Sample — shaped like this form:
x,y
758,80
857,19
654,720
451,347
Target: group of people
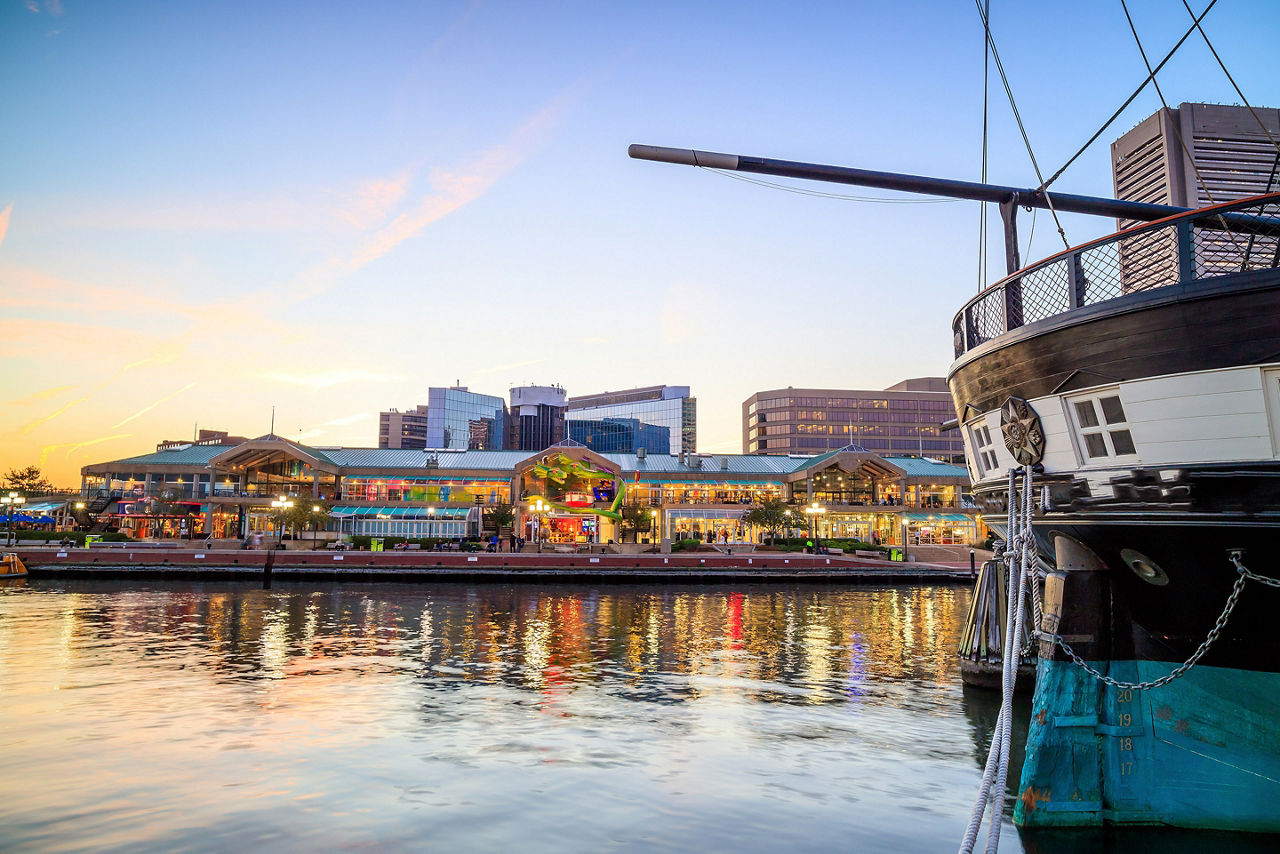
x,y
515,543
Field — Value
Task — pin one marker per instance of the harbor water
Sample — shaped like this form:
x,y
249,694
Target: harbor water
x,y
151,715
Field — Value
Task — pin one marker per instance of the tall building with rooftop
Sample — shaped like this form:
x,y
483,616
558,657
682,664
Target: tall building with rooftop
x,y
406,429
537,417
904,419
1192,156
661,419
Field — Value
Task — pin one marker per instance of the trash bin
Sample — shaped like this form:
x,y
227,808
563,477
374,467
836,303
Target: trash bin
x,y
895,553
92,538
375,544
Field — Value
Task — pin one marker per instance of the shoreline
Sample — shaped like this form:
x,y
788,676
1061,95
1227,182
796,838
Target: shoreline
x,y
401,566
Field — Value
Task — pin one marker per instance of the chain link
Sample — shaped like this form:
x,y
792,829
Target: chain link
x,y
1245,575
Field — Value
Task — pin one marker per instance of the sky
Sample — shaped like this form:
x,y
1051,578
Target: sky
x,y
208,211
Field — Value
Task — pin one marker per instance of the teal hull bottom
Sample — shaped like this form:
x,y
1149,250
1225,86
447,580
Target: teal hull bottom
x,y
1202,751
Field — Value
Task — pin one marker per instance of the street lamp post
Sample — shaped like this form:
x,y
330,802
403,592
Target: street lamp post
x,y
315,508
11,501
281,506
814,511
538,507
653,527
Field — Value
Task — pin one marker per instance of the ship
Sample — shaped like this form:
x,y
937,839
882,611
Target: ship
x,y
1134,380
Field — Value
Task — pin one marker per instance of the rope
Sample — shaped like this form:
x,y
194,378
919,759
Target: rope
x,y
803,191
1019,557
1244,575
1196,25
1204,185
1151,76
995,54
982,207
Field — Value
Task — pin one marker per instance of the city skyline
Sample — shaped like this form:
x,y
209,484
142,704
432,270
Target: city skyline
x,y
211,213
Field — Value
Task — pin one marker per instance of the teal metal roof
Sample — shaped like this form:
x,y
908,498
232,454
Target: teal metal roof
x,y
925,467
191,455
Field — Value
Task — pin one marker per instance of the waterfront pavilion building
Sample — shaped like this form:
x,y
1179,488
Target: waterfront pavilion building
x,y
564,494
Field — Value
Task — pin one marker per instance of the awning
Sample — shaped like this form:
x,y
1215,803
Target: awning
x,y
400,513
936,517
44,507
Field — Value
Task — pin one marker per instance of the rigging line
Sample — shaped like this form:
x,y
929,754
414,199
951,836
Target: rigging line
x,y
1030,236
841,197
982,208
1168,56
1174,127
1223,66
995,54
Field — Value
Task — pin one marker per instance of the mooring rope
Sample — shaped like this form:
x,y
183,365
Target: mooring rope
x,y
1019,557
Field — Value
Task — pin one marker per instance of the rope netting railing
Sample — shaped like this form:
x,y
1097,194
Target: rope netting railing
x,y
1238,237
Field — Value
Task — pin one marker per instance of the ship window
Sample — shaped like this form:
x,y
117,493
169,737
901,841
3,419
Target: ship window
x,y
984,451
1102,427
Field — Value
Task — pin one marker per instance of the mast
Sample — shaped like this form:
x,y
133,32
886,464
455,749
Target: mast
x,y
1008,198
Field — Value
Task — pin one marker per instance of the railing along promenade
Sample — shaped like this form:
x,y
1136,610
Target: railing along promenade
x,y
1209,243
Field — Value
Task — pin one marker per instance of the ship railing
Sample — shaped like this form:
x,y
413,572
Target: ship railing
x,y
1241,236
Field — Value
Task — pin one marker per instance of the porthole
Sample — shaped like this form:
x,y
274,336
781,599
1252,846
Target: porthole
x,y
1144,567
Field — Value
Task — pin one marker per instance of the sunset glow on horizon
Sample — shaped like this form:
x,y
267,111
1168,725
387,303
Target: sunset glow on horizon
x,y
209,213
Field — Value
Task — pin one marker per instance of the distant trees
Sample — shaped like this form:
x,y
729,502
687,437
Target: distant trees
x,y
635,519
303,515
772,514
29,481
500,516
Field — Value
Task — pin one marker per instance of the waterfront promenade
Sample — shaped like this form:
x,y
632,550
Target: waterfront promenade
x,y
141,560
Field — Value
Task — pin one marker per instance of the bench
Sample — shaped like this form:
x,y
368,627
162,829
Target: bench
x,y
868,553
413,547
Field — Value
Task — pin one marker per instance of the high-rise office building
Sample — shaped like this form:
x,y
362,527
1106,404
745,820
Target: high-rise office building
x,y
407,429
662,419
904,419
1230,156
463,419
1193,156
537,417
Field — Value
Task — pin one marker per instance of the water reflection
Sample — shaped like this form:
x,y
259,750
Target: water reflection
x,y
480,717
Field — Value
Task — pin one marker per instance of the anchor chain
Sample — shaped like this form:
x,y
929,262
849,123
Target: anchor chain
x,y
1245,574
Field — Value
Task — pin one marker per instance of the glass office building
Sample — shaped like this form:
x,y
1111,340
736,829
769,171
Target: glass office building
x,y
660,419
465,420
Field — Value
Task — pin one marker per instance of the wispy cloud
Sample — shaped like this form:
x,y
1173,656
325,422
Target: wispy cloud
x,y
325,379
507,367
373,200
162,353
38,396
144,410
348,419
72,447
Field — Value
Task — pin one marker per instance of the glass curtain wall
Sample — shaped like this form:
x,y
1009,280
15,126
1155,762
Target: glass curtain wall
x,y
658,426
465,420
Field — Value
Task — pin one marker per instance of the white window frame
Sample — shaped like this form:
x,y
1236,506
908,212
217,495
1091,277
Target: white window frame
x,y
985,459
1103,428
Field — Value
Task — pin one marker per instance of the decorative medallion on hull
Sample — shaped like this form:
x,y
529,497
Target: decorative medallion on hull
x,y
1023,435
